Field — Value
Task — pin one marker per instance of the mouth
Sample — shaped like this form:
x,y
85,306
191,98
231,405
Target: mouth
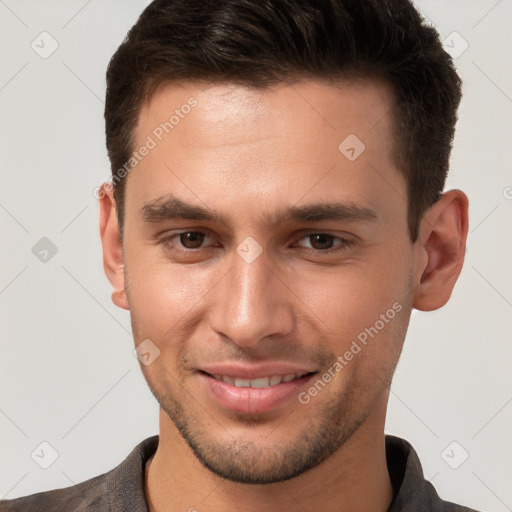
x,y
260,382
254,396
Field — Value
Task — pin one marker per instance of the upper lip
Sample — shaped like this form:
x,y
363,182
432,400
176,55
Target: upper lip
x,y
255,371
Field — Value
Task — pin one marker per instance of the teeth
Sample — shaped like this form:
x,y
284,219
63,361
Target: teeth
x,y
275,380
261,382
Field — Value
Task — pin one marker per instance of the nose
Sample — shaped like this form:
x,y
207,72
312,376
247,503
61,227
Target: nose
x,y
252,302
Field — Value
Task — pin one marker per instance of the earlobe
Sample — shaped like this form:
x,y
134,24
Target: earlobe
x,y
110,234
443,234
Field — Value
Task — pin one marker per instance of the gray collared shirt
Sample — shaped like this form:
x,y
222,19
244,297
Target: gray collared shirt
x,y
122,488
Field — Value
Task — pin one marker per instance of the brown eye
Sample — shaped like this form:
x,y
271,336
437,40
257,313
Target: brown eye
x,y
325,242
321,241
191,239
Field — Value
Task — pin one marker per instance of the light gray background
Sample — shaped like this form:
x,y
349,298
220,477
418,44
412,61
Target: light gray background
x,y
67,372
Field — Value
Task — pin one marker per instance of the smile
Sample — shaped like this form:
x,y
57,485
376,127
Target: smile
x,y
261,382
253,396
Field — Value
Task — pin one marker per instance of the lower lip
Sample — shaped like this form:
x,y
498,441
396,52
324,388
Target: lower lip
x,y
253,400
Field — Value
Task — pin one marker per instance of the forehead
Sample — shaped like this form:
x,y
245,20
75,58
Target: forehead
x,y
360,105
279,143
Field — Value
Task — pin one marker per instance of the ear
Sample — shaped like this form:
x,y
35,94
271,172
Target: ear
x,y
113,263
441,247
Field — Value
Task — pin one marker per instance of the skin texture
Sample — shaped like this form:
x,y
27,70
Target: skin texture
x,y
245,154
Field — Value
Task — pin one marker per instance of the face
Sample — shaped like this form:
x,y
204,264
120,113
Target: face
x,y
259,230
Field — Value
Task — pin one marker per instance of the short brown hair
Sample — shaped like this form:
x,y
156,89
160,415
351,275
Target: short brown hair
x,y
258,43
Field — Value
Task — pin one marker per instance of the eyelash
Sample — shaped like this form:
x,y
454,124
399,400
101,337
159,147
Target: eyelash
x,y
167,242
343,245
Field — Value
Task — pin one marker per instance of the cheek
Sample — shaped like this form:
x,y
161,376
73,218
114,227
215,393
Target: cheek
x,y
364,309
351,298
160,293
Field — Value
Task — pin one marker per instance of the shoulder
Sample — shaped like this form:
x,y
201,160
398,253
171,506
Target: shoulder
x,y
121,488
89,495
453,507
412,491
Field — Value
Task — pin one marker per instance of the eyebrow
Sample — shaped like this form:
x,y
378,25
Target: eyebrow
x,y
170,207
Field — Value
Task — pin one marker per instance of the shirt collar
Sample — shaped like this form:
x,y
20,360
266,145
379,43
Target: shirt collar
x,y
412,491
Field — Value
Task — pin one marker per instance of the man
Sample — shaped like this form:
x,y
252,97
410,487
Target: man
x,y
277,210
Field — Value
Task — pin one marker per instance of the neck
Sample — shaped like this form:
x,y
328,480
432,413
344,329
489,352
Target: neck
x,y
354,478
